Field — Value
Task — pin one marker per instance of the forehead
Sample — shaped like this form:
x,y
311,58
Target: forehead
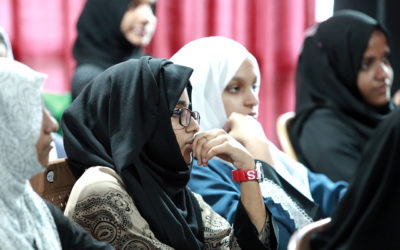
x,y
377,42
246,71
144,1
183,99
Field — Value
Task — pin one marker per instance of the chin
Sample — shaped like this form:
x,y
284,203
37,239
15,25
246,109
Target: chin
x,y
188,158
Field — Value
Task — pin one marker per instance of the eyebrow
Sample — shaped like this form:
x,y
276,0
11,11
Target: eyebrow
x,y
182,103
240,79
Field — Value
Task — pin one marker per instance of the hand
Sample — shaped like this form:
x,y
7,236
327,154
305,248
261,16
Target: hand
x,y
249,132
246,129
396,98
217,142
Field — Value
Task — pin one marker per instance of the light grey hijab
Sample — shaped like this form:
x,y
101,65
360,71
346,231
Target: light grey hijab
x,y
25,220
4,38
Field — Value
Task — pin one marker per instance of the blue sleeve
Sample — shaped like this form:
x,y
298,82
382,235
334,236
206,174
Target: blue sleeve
x,y
216,187
325,192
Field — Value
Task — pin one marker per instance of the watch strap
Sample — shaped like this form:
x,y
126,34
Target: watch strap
x,y
249,175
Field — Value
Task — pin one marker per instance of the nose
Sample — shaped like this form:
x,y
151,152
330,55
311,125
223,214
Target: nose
x,y
251,99
384,71
146,14
193,126
49,122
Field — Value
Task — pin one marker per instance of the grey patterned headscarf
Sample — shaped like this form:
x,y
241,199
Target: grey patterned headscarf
x,y
25,220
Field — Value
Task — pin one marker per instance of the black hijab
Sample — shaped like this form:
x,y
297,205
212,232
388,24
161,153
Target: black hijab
x,y
326,78
368,215
100,40
122,120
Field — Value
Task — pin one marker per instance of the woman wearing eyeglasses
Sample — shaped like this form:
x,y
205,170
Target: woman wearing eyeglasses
x,y
130,137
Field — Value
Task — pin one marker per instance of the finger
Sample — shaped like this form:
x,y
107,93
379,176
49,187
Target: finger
x,y
222,150
220,139
239,158
201,139
196,147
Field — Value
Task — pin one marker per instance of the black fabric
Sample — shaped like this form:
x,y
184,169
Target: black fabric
x,y
100,42
122,120
245,232
73,236
327,93
367,216
83,74
312,209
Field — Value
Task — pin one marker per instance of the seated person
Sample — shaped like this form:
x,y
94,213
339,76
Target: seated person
x,y
26,221
110,32
6,51
225,81
367,216
343,82
132,130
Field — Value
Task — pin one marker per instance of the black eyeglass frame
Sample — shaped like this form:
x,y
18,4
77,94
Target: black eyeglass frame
x,y
194,114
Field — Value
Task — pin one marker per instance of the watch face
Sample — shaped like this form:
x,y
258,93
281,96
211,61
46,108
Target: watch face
x,y
260,172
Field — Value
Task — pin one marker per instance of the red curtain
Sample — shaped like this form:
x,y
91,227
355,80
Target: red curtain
x,y
42,33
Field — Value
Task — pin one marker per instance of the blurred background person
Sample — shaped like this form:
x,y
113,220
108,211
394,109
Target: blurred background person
x,y
110,32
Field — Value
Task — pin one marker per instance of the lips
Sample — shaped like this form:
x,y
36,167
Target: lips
x,y
382,89
138,31
253,114
189,143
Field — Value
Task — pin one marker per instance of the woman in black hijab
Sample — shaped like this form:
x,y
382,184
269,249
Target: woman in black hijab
x,y
110,32
367,216
127,123
342,92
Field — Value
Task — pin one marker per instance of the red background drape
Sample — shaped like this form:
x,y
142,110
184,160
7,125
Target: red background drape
x,y
42,33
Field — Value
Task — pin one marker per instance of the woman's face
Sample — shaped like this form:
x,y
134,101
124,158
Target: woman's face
x,y
43,147
139,23
239,95
183,135
376,74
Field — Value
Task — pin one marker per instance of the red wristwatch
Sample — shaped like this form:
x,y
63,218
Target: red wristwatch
x,y
249,175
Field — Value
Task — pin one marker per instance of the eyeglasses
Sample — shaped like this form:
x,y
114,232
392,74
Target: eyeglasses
x,y
185,116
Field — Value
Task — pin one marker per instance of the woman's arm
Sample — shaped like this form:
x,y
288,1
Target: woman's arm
x,y
217,142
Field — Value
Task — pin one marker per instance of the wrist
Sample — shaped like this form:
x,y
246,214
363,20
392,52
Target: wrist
x,y
254,174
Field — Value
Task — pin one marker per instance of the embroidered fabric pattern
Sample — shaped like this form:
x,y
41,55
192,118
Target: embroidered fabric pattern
x,y
109,218
299,216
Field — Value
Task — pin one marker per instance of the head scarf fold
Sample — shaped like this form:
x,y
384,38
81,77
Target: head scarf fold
x,y
122,120
327,73
4,38
25,220
367,216
215,65
100,40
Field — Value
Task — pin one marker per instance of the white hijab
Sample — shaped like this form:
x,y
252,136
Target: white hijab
x,y
4,36
215,61
25,220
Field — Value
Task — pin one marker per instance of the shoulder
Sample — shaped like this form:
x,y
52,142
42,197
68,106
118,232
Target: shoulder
x,y
97,186
327,123
100,204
